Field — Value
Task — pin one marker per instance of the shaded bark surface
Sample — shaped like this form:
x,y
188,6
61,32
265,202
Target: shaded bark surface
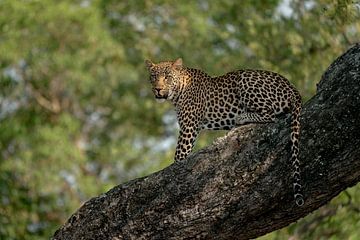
x,y
240,187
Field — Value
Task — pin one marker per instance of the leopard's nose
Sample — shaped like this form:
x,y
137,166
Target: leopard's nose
x,y
158,90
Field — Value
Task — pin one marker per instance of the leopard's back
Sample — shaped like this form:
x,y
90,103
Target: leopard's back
x,y
241,91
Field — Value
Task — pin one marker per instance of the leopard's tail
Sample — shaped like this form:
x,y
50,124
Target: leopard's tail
x,y
295,133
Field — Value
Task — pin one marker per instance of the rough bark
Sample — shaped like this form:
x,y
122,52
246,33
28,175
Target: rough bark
x,y
240,187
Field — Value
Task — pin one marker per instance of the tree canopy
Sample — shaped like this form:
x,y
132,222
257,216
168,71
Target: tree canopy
x,y
76,112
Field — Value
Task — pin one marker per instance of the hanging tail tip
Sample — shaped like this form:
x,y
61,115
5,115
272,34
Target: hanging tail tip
x,y
299,199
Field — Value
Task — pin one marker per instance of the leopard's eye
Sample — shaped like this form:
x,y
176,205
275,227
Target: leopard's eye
x,y
168,75
152,77
168,78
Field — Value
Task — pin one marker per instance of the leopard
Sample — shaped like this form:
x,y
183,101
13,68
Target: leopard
x,y
224,102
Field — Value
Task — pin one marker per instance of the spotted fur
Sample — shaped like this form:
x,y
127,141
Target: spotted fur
x,y
224,102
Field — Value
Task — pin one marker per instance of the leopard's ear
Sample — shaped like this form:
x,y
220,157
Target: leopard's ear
x,y
149,64
178,63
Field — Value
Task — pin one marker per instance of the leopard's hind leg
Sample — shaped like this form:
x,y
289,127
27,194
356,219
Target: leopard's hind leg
x,y
263,116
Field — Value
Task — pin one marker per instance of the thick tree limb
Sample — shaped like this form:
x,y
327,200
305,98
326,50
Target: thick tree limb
x,y
240,187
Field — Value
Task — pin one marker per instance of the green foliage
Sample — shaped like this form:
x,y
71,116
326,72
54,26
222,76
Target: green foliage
x,y
76,112
338,220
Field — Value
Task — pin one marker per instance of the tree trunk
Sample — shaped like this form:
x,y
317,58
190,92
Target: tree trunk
x,y
240,187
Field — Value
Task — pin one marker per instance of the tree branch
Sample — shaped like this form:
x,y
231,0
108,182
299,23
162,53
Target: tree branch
x,y
240,187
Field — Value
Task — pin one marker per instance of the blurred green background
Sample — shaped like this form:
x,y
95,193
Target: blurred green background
x,y
77,115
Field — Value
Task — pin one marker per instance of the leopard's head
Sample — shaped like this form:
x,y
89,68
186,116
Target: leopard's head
x,y
165,78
